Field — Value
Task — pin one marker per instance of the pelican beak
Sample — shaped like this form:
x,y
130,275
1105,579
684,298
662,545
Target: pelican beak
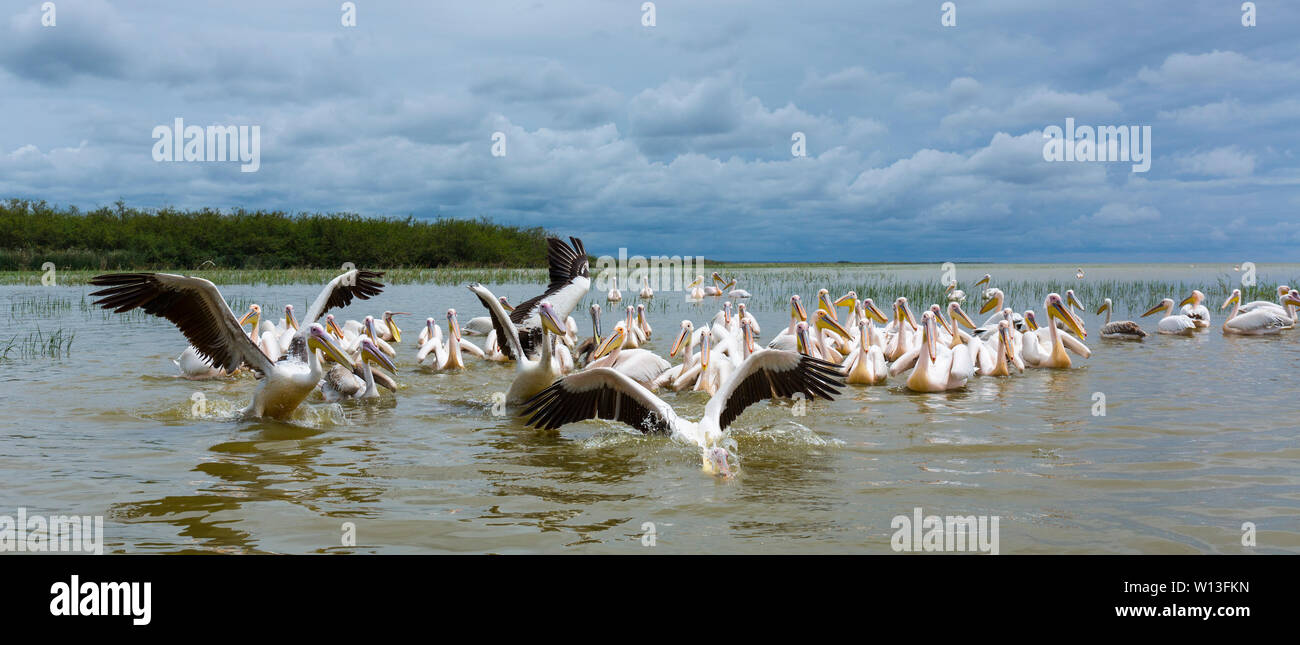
x,y
824,303
505,305
1058,311
930,341
1236,296
950,287
453,325
847,300
614,340
370,353
370,328
802,343
293,320
1102,308
706,340
1073,300
983,280
253,314
1159,307
1005,333
682,338
334,328
796,309
907,314
392,325
1188,300
824,321
696,282
989,305
874,312
550,321
1030,321
961,317
715,462
321,341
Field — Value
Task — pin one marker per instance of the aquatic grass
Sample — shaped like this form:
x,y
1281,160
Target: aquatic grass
x,y
37,344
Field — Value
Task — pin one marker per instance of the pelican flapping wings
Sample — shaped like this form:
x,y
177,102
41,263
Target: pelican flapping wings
x,y
605,393
570,281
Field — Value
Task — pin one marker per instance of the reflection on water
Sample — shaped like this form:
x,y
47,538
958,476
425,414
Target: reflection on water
x,y
1197,437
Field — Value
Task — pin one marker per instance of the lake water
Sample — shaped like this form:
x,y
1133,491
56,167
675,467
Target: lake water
x,y
1200,436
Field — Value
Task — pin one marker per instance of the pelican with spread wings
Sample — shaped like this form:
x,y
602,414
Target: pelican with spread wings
x,y
198,310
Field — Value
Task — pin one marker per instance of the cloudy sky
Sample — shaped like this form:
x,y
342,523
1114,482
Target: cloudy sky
x,y
924,142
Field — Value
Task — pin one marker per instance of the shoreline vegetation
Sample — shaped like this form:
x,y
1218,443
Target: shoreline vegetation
x,y
119,237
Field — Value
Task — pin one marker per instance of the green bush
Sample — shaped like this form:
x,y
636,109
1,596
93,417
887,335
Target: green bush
x,y
33,232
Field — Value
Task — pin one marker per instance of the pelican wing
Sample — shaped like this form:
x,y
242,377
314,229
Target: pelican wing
x,y
341,290
192,304
570,280
772,373
501,323
599,393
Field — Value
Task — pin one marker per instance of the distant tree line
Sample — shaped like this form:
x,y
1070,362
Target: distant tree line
x,y
118,237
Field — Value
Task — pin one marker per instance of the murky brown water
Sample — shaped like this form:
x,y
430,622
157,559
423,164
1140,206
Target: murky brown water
x,y
1200,436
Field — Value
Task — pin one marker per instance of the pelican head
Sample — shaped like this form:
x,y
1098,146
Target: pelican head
x,y
333,327
1165,305
317,338
796,308
428,324
870,309
824,302
254,314
453,326
993,300
903,312
958,315
1030,322
683,338
289,318
715,462
847,300
706,342
1235,297
802,342
392,324
984,280
825,321
718,278
1292,298
550,320
1195,299
370,353
640,315
505,305
615,341
1105,304
699,280
1004,332
369,325
595,321
1072,300
1056,309
928,334
726,312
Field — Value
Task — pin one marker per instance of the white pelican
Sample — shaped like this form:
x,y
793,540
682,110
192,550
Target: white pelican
x,y
993,301
642,323
531,375
341,383
866,365
935,368
732,292
1049,352
646,291
481,325
196,307
900,334
954,294
569,282
1260,322
1192,308
614,295
712,290
996,356
450,355
643,366
1282,291
386,327
1120,329
1171,323
743,314
696,288
785,339
984,280
633,338
195,367
605,393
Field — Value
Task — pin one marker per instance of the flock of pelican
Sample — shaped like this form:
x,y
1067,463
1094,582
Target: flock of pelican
x,y
560,378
